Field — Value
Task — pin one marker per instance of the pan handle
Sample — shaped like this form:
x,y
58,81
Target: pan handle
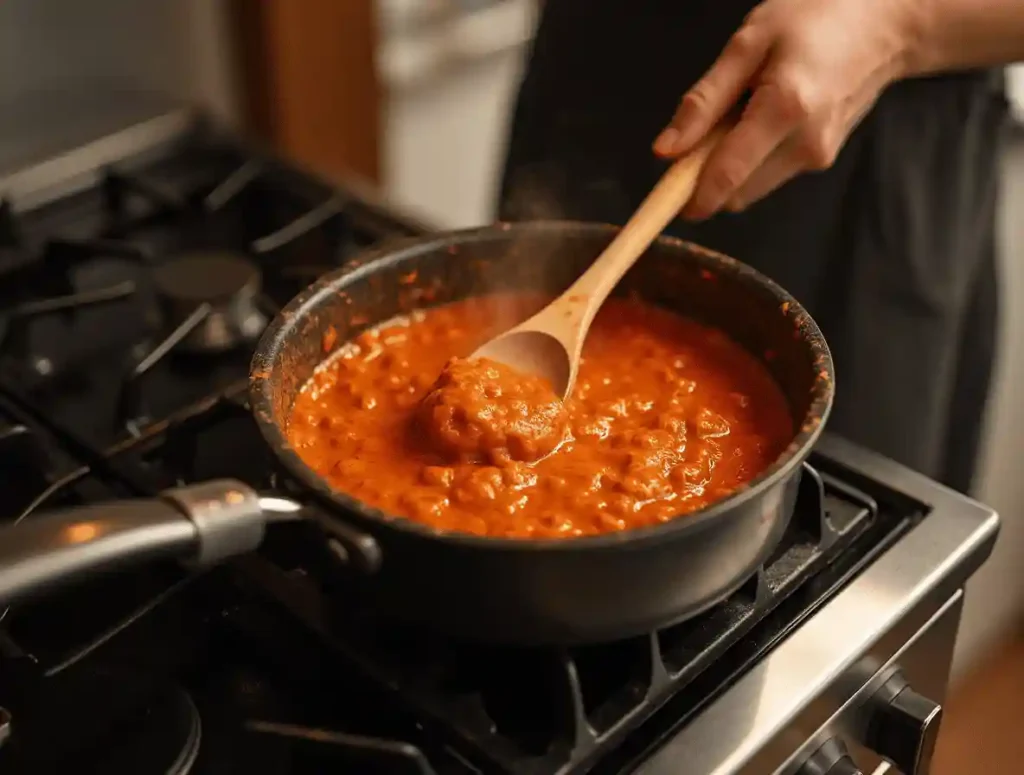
x,y
349,547
200,524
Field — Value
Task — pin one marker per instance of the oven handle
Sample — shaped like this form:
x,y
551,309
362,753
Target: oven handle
x,y
200,525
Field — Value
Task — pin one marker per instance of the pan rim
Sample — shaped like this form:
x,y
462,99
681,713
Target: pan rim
x,y
362,516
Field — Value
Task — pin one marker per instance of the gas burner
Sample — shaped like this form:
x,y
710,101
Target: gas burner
x,y
16,322
210,300
111,723
163,738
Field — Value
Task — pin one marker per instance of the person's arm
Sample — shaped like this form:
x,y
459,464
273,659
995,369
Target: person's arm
x,y
962,34
814,69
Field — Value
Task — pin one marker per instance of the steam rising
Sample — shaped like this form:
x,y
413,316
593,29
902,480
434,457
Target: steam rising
x,y
543,263
535,194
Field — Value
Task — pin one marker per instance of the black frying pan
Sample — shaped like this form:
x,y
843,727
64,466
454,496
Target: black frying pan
x,y
511,591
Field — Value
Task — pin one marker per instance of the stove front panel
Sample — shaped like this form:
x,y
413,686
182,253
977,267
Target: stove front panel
x,y
923,661
782,705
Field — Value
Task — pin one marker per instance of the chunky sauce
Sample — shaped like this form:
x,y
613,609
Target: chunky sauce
x,y
482,411
667,416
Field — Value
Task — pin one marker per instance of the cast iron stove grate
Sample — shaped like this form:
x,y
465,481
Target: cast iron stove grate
x,y
465,709
85,425
136,297
542,710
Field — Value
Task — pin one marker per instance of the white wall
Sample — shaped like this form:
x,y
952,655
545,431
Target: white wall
x,y
450,88
210,79
173,47
443,144
1016,88
55,43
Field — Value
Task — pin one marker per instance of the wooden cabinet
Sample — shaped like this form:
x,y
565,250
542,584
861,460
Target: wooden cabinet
x,y
309,80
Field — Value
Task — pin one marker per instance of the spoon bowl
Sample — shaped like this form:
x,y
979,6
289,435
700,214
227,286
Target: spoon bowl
x,y
534,351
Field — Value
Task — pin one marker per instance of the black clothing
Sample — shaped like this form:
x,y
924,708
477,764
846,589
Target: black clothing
x,y
892,250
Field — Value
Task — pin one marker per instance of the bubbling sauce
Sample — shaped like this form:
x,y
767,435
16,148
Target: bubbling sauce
x,y
667,416
482,411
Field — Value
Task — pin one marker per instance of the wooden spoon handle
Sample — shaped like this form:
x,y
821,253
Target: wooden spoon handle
x,y
667,198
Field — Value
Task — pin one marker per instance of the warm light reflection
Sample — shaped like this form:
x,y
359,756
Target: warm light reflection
x,y
82,532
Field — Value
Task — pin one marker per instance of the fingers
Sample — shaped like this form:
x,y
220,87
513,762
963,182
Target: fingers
x,y
814,146
718,91
764,126
784,164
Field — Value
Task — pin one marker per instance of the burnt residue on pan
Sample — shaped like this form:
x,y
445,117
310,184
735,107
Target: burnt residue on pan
x,y
542,592
546,257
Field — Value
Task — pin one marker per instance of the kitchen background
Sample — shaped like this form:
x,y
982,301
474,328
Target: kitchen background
x,y
447,71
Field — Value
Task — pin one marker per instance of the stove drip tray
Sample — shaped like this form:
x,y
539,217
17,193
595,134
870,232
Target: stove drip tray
x,y
105,723
210,300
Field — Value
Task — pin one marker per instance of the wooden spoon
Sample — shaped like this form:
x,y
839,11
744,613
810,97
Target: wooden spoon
x,y
549,343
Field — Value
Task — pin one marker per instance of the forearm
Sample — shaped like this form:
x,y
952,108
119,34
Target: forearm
x,y
964,34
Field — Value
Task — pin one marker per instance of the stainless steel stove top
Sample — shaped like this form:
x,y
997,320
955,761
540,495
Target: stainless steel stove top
x,y
820,681
113,384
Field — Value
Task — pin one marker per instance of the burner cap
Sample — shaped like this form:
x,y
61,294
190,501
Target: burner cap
x,y
163,738
228,283
215,278
110,722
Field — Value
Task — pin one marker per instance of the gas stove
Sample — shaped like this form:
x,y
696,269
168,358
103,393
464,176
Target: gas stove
x,y
135,276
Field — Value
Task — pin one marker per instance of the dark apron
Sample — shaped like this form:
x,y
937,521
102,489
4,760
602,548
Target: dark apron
x,y
892,250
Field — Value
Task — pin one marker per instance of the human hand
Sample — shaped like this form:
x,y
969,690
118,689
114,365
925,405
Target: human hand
x,y
814,68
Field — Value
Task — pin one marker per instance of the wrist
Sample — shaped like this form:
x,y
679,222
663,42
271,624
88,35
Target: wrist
x,y
948,35
923,38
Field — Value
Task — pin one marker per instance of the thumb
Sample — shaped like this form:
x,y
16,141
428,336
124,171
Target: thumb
x,y
714,95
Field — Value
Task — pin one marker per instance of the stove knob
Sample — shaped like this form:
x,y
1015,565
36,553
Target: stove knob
x,y
831,759
903,726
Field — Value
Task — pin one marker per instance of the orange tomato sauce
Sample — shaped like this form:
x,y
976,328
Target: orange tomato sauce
x,y
482,411
666,417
